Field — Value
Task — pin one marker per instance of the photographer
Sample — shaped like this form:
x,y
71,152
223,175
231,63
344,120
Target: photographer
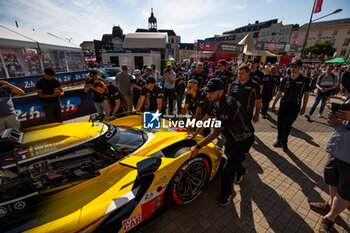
x,y
8,118
337,168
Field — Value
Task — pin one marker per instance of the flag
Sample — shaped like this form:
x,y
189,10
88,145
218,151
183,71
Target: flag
x,y
318,6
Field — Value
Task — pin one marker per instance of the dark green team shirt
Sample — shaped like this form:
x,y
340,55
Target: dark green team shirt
x,y
246,93
293,90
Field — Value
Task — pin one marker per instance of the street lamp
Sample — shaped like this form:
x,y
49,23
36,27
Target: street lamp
x,y
311,21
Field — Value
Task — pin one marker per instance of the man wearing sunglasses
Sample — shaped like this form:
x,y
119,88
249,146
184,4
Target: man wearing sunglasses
x,y
293,87
223,74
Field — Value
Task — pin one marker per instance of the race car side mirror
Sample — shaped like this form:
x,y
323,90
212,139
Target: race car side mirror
x,y
148,166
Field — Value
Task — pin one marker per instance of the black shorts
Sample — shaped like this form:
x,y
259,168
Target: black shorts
x,y
337,173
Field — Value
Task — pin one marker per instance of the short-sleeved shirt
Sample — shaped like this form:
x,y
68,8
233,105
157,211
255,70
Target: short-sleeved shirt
x,y
233,117
226,77
112,95
152,96
167,83
257,76
48,87
6,104
270,83
97,97
200,77
141,83
294,89
326,82
180,87
200,100
124,80
246,93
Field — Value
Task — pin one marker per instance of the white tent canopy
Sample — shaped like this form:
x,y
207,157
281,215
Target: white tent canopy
x,y
147,40
18,37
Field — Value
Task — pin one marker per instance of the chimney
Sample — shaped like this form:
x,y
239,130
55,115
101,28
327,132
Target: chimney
x,y
256,22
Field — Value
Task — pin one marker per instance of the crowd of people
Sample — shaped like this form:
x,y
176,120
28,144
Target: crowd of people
x,y
236,94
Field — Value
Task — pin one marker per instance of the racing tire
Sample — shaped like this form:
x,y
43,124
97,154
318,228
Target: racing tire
x,y
188,181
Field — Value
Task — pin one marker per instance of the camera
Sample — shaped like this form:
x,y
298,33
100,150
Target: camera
x,y
336,107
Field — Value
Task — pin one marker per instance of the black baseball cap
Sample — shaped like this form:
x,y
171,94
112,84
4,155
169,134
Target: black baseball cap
x,y
297,63
214,84
150,80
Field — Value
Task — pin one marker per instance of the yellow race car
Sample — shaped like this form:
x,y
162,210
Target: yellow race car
x,y
97,177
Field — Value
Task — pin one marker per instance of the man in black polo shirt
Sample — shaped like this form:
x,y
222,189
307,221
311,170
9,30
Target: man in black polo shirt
x,y
138,83
255,73
154,96
236,128
49,90
112,98
271,82
97,97
247,92
223,74
199,75
294,86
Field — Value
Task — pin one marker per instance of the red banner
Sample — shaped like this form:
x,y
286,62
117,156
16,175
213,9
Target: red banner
x,y
318,6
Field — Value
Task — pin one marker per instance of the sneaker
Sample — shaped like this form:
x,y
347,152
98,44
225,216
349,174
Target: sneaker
x,y
320,206
308,117
285,148
224,200
319,115
277,144
326,226
264,116
238,179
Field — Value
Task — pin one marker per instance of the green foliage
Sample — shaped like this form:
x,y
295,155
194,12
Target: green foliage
x,y
318,48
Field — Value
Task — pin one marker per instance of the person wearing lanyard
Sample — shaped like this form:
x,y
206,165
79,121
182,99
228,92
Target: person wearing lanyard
x,y
236,128
294,87
247,92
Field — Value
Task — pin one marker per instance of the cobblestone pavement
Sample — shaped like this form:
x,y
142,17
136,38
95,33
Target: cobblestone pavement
x,y
274,195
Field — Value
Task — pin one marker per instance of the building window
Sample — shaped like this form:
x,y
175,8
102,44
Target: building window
x,y
296,35
319,33
346,42
172,51
172,40
333,42
335,32
342,54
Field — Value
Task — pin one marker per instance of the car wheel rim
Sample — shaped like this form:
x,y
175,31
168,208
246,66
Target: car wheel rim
x,y
192,180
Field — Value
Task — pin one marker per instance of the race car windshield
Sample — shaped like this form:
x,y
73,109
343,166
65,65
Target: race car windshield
x,y
120,141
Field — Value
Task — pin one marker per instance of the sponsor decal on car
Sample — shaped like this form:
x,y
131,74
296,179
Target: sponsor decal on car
x,y
131,222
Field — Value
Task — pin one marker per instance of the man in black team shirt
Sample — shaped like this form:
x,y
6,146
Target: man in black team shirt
x,y
49,90
271,82
247,92
294,86
154,95
236,128
138,83
223,74
97,97
112,98
255,73
199,75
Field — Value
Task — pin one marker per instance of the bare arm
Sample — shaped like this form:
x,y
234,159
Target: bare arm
x,y
14,89
140,103
116,108
108,108
159,104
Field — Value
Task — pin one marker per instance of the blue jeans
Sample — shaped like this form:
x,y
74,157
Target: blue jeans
x,y
323,99
100,107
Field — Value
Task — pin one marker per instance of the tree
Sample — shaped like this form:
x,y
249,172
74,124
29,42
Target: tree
x,y
320,48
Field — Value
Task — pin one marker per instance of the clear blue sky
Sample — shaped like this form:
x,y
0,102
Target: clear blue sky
x,y
191,19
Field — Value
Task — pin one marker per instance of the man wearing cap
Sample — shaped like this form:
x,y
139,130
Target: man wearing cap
x,y
155,73
255,73
294,87
192,70
138,83
154,96
96,97
169,78
247,92
123,81
236,128
223,74
199,75
271,82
